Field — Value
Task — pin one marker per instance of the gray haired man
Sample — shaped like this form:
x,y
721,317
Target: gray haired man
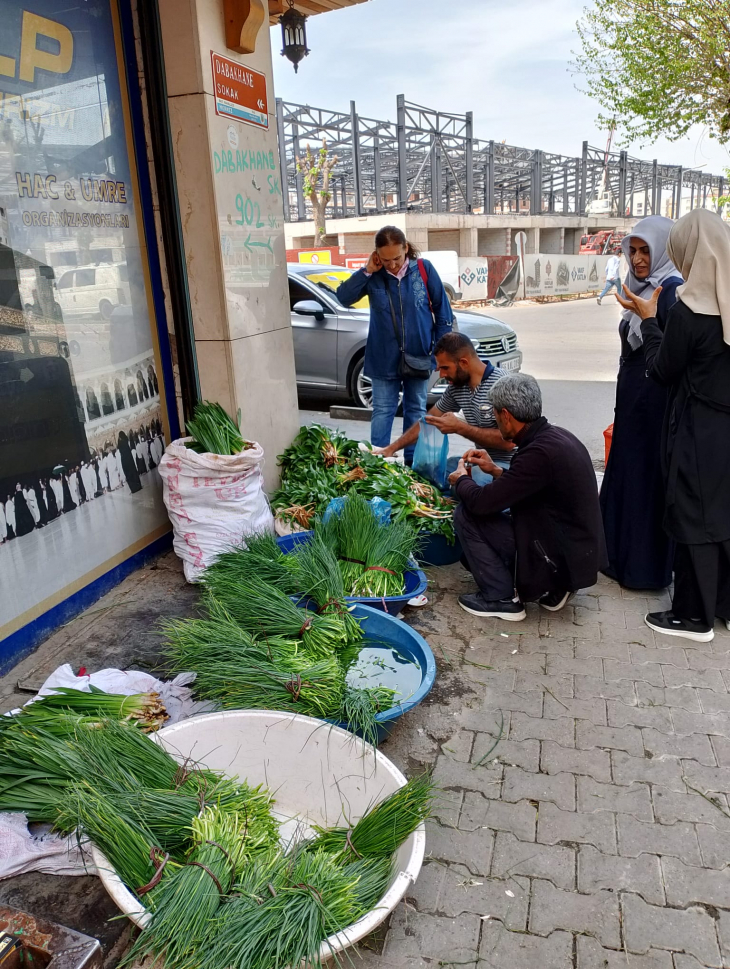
x,y
535,532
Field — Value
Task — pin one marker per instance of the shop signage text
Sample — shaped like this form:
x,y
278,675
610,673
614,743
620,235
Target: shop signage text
x,y
240,92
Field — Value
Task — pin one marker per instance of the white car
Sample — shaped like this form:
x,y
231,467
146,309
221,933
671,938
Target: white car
x,y
93,291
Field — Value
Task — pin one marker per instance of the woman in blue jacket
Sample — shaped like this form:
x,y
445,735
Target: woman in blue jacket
x,y
409,313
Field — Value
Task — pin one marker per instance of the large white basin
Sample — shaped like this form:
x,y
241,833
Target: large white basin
x,y
319,774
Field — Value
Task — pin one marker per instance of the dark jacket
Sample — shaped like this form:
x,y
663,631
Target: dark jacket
x,y
692,359
410,304
551,491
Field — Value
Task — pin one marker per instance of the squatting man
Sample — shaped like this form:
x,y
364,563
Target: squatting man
x,y
535,531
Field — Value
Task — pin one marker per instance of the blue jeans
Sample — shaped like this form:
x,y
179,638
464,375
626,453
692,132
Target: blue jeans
x,y
609,284
385,404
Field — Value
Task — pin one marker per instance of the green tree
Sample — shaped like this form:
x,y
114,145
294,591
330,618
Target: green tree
x,y
657,67
316,167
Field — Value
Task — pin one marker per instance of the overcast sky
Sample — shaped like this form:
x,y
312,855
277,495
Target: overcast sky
x,y
508,62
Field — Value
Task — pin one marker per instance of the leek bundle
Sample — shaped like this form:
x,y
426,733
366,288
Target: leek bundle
x,y
383,828
144,709
263,610
214,432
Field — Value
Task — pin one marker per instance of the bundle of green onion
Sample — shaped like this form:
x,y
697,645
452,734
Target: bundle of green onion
x,y
261,557
320,578
144,709
263,610
214,432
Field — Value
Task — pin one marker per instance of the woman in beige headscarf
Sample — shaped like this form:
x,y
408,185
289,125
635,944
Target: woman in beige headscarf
x,y
692,358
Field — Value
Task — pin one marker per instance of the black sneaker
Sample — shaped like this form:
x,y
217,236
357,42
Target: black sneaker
x,y
671,625
477,605
554,601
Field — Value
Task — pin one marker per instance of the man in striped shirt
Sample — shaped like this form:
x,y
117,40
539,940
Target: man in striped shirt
x,y
470,383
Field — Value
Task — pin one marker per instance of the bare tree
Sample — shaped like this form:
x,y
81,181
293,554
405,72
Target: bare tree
x,y
316,168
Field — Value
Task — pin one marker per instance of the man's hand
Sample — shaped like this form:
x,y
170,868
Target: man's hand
x,y
482,461
645,309
460,472
447,423
385,452
374,263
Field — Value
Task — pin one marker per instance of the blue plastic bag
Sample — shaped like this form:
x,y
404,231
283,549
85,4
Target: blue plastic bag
x,y
431,455
381,508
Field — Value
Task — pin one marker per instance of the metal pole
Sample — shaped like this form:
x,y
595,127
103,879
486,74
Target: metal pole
x,y
583,179
565,189
720,193
283,173
677,214
402,160
692,196
489,185
623,161
376,174
356,181
654,178
469,152
301,207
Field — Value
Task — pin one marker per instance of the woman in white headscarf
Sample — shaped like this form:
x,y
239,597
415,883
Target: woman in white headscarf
x,y
692,358
632,494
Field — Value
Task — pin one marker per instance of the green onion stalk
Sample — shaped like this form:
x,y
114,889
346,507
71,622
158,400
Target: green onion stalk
x,y
387,560
214,432
282,916
321,579
382,829
190,897
260,557
360,707
144,709
265,611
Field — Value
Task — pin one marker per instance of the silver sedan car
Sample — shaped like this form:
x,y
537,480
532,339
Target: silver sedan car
x,y
329,338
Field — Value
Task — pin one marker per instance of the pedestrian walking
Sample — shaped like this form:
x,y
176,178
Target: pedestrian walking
x,y
640,552
692,358
613,276
409,313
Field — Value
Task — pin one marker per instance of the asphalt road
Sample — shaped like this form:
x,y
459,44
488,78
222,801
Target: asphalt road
x,y
570,347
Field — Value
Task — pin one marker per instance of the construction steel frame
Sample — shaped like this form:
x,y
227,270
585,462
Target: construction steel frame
x,y
430,161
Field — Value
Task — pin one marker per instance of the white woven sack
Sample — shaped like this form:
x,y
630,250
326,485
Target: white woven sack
x,y
213,501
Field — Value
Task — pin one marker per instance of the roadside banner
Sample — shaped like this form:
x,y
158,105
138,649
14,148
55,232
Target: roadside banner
x,y
474,272
555,274
321,257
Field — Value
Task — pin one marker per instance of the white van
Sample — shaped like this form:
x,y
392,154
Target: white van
x,y
93,291
446,264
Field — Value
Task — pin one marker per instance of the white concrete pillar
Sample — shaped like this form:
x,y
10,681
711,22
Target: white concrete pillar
x,y
468,242
533,240
229,189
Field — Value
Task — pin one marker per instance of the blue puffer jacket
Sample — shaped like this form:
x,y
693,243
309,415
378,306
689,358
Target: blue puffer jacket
x,y
410,302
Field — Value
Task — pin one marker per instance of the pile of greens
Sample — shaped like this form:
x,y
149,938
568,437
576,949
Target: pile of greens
x,y
200,850
322,464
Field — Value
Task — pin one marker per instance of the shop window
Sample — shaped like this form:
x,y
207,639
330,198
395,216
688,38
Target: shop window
x,y
73,250
107,407
92,405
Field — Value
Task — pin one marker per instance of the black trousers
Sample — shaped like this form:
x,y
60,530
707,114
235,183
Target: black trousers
x,y
490,549
702,582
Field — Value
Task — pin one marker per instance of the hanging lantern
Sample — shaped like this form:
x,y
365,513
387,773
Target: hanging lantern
x,y
294,35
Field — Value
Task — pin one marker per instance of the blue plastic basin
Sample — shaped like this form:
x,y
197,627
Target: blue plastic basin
x,y
415,580
436,550
378,625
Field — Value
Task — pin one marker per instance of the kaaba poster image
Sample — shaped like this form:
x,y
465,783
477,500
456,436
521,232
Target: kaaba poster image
x,y
82,417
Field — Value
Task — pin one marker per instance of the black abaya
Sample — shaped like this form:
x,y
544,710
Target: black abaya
x,y
51,502
42,510
24,522
693,360
632,494
68,503
99,485
129,467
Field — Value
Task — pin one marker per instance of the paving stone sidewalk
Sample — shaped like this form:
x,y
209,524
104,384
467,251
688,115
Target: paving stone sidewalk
x,y
585,764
